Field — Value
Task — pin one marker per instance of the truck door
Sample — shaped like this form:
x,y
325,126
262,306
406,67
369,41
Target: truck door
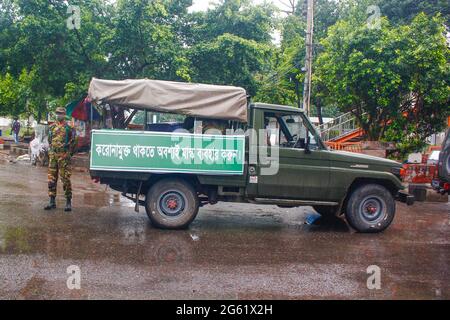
x,y
301,175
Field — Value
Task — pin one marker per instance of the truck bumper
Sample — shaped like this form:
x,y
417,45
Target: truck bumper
x,y
405,197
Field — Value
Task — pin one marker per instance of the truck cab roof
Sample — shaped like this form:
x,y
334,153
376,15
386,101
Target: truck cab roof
x,y
275,107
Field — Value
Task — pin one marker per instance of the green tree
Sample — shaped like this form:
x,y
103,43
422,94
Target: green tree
x,y
285,86
36,38
229,59
232,44
404,11
383,74
425,106
241,18
148,39
16,94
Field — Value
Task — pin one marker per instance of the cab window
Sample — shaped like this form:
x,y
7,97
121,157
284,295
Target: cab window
x,y
287,130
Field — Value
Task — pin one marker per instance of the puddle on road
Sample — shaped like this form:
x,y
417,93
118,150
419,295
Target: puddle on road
x,y
126,239
100,199
130,244
103,230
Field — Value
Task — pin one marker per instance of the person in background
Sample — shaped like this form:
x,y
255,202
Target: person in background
x,y
214,126
15,129
62,144
188,124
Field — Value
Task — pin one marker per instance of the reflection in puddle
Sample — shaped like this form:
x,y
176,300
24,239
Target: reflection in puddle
x,y
101,199
172,248
134,234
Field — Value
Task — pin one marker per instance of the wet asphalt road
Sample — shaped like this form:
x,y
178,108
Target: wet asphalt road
x,y
231,251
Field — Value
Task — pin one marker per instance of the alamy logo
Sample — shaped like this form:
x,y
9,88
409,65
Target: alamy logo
x,y
74,21
74,280
374,19
374,279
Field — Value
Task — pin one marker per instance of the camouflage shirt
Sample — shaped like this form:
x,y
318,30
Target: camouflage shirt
x,y
62,138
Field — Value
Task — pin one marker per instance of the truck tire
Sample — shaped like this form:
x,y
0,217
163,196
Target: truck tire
x,y
171,204
326,211
370,208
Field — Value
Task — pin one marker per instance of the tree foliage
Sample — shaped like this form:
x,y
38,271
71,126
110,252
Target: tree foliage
x,y
389,77
404,11
395,78
159,39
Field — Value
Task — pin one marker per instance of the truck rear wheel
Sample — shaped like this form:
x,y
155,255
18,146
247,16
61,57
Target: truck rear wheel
x,y
171,204
370,208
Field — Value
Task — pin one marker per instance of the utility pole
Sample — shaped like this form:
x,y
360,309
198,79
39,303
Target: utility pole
x,y
297,91
309,56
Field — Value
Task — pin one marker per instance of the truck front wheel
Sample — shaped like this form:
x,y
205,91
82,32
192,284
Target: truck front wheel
x,y
171,204
370,208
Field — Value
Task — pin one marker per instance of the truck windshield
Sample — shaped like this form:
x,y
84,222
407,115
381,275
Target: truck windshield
x,y
289,130
298,131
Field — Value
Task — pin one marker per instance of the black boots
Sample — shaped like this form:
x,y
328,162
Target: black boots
x,y
68,206
51,204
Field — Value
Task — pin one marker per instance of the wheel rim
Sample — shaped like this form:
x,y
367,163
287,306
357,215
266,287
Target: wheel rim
x,y
172,203
372,209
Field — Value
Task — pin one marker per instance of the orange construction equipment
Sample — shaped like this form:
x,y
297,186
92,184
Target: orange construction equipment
x,y
350,141
346,146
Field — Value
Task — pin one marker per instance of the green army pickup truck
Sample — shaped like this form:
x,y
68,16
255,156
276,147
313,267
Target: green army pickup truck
x,y
273,156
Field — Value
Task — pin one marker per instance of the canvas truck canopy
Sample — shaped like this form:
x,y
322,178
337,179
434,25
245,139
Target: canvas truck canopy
x,y
199,100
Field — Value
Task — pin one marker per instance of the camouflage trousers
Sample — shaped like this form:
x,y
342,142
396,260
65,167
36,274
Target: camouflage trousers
x,y
59,164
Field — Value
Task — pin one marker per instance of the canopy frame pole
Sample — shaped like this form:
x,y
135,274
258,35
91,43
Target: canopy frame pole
x,y
145,120
91,114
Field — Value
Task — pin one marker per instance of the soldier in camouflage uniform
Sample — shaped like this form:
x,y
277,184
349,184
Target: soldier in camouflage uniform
x,y
62,143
